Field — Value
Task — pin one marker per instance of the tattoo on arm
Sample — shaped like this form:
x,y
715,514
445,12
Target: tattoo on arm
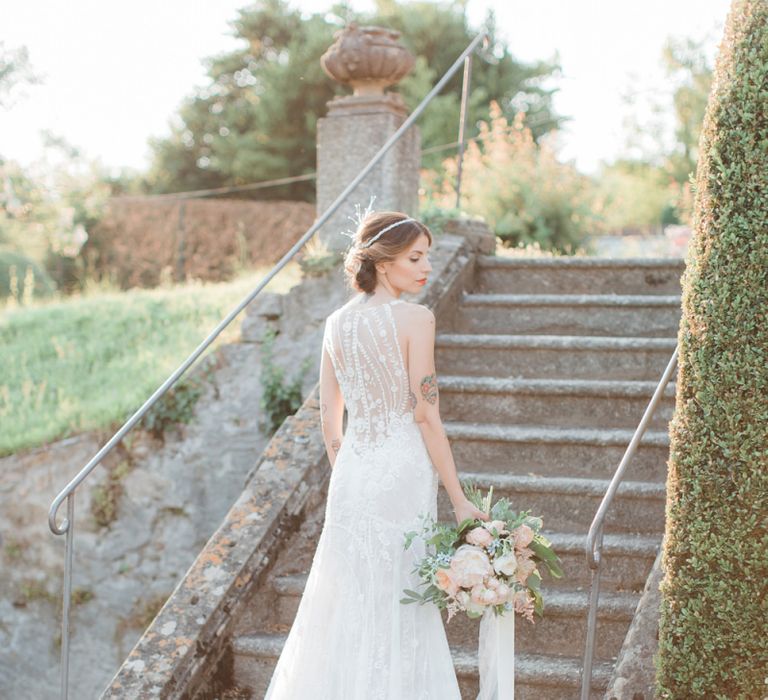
x,y
429,388
336,445
411,398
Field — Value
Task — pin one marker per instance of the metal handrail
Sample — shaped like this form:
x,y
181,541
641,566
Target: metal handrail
x,y
68,492
594,543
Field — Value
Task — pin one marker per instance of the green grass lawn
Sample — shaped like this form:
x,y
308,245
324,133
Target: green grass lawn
x,y
84,362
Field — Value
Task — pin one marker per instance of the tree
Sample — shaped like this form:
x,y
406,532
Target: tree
x,y
257,118
666,157
714,613
15,70
686,64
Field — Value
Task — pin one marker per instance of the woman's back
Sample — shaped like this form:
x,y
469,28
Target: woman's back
x,y
369,357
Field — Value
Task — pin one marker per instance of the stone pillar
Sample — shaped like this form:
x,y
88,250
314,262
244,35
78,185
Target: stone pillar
x,y
368,59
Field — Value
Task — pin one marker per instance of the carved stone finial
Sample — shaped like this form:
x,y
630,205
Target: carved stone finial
x,y
367,58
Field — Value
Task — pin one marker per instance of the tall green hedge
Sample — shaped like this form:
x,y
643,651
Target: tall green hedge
x,y
713,637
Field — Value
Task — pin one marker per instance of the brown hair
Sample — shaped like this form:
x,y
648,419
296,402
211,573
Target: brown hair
x,y
360,263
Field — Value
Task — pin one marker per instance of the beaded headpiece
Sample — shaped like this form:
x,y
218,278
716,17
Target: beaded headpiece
x,y
360,216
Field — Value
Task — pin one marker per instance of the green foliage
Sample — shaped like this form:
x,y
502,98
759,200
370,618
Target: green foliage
x,y
436,33
105,497
81,595
435,216
47,219
519,187
278,399
502,510
442,540
32,589
634,195
13,549
650,186
22,279
15,69
687,65
257,117
176,405
88,361
714,613
316,259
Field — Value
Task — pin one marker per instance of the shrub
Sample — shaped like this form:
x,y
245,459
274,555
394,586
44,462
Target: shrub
x,y
714,612
520,188
278,399
175,406
316,259
105,497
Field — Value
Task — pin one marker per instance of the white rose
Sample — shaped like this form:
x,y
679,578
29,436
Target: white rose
x,y
505,564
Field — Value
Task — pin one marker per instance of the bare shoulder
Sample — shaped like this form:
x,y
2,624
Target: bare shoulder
x,y
415,317
417,312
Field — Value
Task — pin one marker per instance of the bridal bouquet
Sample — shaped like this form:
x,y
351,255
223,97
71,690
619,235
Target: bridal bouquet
x,y
477,563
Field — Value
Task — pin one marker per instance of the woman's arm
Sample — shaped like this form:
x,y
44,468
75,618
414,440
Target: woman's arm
x,y
331,408
425,401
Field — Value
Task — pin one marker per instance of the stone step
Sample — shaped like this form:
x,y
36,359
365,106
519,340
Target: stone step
x,y
600,403
553,356
626,563
656,316
568,275
569,504
537,676
552,451
563,628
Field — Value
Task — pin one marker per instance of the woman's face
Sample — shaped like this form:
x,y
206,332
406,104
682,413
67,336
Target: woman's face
x,y
408,272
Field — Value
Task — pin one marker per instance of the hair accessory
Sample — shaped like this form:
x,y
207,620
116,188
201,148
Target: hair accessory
x,y
357,219
384,230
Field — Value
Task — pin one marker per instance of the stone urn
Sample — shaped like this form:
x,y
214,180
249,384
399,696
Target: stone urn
x,y
367,58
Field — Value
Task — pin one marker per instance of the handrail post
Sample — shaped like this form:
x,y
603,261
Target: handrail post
x,y
589,646
462,123
69,543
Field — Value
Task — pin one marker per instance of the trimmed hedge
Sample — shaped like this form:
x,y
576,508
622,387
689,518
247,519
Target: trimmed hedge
x,y
713,636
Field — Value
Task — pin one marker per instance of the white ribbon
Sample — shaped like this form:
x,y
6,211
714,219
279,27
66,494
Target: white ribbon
x,y
496,655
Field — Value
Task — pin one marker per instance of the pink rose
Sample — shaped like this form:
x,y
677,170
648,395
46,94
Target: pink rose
x,y
525,567
482,595
479,536
446,581
470,565
523,536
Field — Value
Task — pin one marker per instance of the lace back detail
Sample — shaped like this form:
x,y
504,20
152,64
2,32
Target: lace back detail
x,y
364,347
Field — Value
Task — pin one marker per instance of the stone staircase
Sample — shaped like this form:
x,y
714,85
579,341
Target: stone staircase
x,y
544,369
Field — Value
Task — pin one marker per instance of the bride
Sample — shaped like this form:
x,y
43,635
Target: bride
x,y
352,638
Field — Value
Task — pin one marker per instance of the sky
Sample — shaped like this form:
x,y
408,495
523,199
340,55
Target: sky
x,y
114,73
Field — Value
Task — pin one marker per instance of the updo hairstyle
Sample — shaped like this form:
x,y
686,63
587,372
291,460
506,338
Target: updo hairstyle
x,y
360,263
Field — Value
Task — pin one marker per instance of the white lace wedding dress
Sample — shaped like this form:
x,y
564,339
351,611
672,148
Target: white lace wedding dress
x,y
352,639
